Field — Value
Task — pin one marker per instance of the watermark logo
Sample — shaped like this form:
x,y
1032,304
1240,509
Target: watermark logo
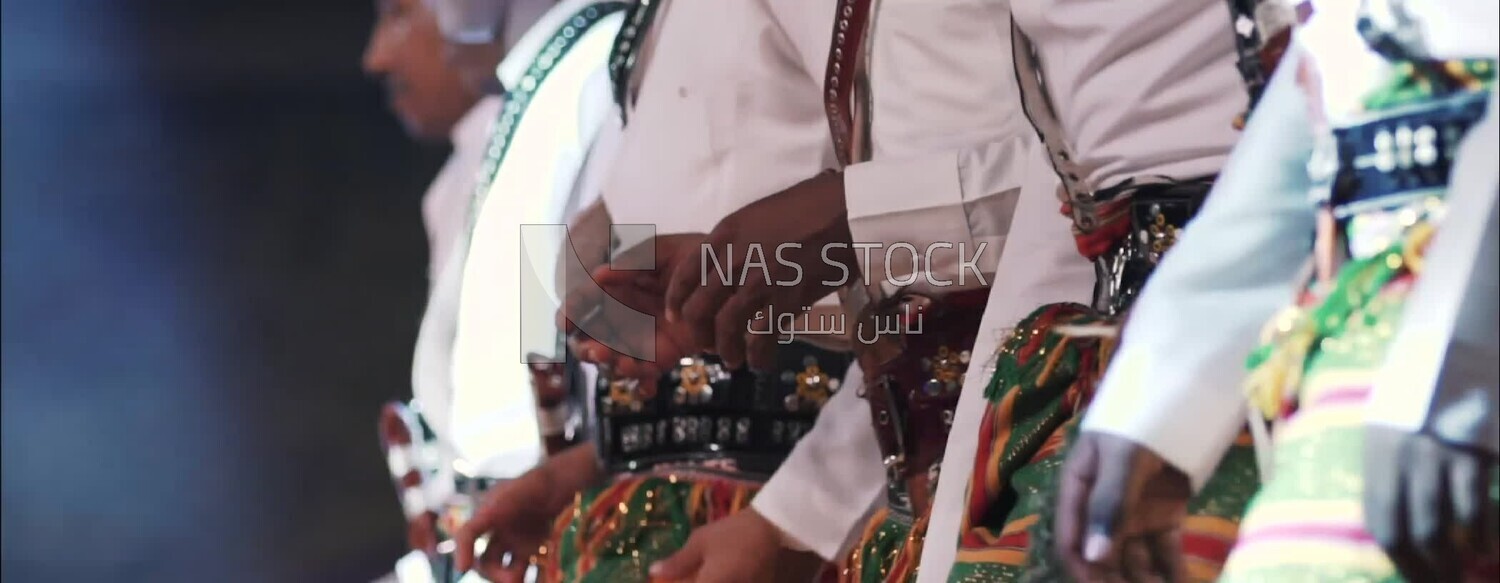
x,y
556,277
919,263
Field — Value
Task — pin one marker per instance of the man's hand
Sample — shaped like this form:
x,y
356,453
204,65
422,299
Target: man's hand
x,y
615,317
1120,512
518,516
742,548
1427,503
811,215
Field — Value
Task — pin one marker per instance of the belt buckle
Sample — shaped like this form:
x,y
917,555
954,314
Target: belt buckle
x,y
895,466
897,498
1082,204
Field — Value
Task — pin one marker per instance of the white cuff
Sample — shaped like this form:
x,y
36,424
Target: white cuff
x,y
954,208
1191,432
825,487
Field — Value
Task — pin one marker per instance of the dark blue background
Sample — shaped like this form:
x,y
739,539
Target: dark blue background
x,y
213,269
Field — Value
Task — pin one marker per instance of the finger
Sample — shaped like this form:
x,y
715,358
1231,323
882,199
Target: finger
x,y
640,370
1382,489
1135,561
515,571
591,351
491,563
683,564
1112,498
1166,555
1468,487
470,532
729,325
1429,513
1077,479
605,275
689,271
698,300
698,315
630,327
723,568
1398,538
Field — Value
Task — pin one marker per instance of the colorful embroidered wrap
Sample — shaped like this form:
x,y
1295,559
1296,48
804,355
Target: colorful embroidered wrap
x,y
613,533
888,550
1043,380
1314,375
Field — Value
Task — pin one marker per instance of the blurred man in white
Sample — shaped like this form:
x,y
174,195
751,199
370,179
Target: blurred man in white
x,y
466,435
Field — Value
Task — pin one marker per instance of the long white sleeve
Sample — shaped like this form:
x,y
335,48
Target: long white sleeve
x,y
833,476
1443,370
1175,384
962,197
949,140
1040,265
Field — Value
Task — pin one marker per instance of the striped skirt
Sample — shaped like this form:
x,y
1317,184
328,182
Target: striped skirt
x,y
1307,522
1043,380
888,551
614,533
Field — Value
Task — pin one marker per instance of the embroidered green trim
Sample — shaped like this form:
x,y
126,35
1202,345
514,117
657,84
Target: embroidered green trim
x,y
518,98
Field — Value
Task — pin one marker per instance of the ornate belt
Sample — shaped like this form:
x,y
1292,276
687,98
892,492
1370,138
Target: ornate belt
x,y
913,395
702,414
1402,154
1157,212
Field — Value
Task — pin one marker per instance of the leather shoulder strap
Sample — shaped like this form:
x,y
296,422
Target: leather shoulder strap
x,y
846,91
627,50
1037,105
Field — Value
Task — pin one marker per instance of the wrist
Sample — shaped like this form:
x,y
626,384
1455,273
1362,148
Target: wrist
x,y
566,474
783,539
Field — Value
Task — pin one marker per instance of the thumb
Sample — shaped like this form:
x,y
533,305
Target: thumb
x,y
1111,500
463,557
468,535
681,565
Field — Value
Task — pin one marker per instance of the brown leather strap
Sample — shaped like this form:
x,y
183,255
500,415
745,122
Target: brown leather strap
x,y
552,384
913,396
845,70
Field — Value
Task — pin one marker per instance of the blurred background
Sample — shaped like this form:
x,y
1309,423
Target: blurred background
x,y
213,272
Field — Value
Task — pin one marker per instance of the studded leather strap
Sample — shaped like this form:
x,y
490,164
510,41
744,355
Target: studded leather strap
x,y
627,50
913,396
846,84
1038,107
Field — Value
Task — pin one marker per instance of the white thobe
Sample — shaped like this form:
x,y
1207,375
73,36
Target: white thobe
x,y
1040,265
1245,249
949,157
1139,91
462,414
724,115
1148,91
445,206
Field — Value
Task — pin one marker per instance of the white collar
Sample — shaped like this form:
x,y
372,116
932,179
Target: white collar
x,y
520,56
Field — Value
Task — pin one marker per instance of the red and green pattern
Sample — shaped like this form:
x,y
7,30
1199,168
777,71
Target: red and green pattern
x,y
1043,379
613,533
887,552
1307,522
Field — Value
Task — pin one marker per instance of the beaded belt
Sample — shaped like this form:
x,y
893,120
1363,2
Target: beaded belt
x,y
702,414
913,394
1402,154
1157,212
